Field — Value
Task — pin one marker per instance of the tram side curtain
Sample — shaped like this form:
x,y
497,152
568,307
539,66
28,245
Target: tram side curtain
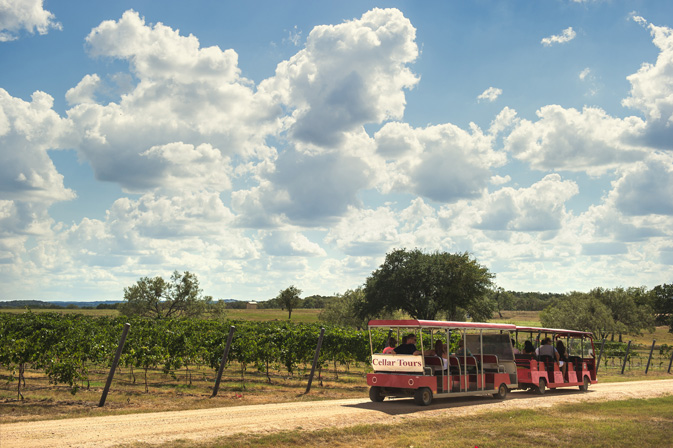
x,y
494,344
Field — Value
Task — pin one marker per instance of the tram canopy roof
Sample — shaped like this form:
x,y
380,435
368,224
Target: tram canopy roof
x,y
415,323
554,330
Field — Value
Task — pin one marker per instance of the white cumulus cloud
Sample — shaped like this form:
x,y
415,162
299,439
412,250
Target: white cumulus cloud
x,y
28,15
566,35
491,94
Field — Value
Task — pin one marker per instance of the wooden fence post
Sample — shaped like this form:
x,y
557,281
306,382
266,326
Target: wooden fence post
x,y
626,356
118,355
650,358
670,362
225,355
600,354
315,360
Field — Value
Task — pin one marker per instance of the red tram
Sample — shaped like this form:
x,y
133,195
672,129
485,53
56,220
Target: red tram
x,y
486,366
486,363
538,371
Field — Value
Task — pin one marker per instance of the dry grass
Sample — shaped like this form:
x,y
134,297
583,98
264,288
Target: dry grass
x,y
299,315
627,423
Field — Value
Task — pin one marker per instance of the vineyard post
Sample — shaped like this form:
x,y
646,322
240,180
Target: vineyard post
x,y
225,355
670,362
118,355
315,360
650,358
626,356
600,354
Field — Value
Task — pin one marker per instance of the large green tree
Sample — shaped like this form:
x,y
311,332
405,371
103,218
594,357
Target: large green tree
x,y
427,285
342,310
662,302
631,309
579,311
155,297
288,299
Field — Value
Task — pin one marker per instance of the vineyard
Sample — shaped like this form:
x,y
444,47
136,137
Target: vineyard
x,y
74,350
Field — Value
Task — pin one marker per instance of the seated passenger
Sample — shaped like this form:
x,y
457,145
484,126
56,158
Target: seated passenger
x,y
546,349
528,348
409,348
563,357
392,342
514,349
461,350
440,352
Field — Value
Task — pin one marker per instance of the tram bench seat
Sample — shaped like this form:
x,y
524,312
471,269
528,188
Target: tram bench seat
x,y
523,360
435,363
549,363
491,364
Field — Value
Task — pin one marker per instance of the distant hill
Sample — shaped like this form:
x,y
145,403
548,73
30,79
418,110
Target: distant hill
x,y
55,304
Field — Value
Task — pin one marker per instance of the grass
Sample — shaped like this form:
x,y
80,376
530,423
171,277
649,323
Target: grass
x,y
299,315
625,423
523,318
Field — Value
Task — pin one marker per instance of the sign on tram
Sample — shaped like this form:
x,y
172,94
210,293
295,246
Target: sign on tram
x,y
397,363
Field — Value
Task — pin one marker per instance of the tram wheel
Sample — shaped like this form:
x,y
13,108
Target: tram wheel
x,y
585,387
502,392
542,386
376,394
423,396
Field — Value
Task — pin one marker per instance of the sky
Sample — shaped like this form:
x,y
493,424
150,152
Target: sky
x,y
265,144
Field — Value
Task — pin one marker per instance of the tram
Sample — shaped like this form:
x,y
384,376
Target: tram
x,y
484,365
473,358
538,371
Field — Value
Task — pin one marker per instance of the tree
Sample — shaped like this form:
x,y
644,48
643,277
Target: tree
x,y
157,298
289,299
342,310
662,302
424,285
503,299
579,311
630,309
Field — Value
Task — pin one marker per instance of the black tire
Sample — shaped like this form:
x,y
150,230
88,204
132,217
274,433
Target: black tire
x,y
423,396
376,394
501,394
585,387
542,386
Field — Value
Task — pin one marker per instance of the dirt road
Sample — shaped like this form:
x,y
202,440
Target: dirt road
x,y
204,424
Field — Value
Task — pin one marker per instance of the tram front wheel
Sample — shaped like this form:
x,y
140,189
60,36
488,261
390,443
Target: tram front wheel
x,y
542,386
423,396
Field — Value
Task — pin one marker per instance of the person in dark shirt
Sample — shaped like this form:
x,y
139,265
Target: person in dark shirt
x,y
409,348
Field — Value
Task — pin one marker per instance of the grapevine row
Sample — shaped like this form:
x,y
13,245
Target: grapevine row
x,y
66,346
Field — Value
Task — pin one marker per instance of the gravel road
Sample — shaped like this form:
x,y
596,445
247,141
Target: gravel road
x,y
203,424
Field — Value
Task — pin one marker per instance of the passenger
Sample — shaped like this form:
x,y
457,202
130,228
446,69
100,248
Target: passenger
x,y
392,342
546,349
460,351
514,349
441,352
563,357
528,348
408,348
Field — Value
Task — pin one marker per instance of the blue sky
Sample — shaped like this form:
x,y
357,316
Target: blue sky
x,y
267,144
